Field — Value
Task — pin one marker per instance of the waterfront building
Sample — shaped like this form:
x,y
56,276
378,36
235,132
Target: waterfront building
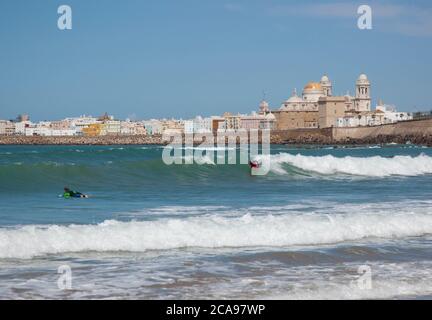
x,y
391,115
232,122
60,125
218,124
269,123
127,127
257,121
132,128
111,127
153,127
92,130
172,126
22,126
383,114
198,125
252,121
360,119
188,127
158,127
202,125
54,128
42,128
139,128
81,122
7,127
62,132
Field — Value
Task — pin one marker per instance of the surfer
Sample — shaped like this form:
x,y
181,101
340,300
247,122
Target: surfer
x,y
68,193
254,164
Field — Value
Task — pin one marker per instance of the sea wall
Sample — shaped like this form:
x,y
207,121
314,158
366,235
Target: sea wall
x,y
302,136
415,131
75,140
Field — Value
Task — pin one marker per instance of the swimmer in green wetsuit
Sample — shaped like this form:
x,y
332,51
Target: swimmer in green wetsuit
x,y
68,193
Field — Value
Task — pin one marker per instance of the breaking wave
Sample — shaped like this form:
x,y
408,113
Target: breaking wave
x,y
212,232
376,166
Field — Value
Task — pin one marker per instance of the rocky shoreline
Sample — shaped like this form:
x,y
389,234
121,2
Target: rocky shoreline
x,y
425,140
80,140
277,138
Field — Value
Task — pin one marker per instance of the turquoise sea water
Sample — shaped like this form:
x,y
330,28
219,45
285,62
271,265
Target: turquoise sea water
x,y
150,230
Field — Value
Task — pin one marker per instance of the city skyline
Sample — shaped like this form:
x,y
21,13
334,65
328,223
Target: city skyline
x,y
164,60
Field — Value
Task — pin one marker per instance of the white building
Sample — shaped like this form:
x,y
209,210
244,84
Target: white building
x,y
7,127
45,129
111,127
22,127
153,126
359,120
253,121
188,127
132,128
391,115
257,121
81,122
202,125
198,125
269,123
383,114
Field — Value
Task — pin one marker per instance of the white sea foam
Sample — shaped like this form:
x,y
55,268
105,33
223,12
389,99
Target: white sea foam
x,y
388,280
363,166
212,232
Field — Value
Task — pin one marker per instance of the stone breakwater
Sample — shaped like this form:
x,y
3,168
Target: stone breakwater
x,y
79,140
416,131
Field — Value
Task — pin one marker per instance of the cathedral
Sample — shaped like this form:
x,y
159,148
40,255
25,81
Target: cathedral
x,y
313,91
318,107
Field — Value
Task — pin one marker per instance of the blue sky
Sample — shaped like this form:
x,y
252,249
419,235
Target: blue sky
x,y
181,58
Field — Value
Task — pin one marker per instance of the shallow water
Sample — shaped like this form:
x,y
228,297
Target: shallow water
x,y
156,231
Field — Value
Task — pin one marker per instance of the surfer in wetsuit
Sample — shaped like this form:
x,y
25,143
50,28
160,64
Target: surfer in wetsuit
x,y
254,164
68,193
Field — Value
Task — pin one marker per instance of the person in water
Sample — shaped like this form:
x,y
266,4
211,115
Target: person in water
x,y
68,193
254,164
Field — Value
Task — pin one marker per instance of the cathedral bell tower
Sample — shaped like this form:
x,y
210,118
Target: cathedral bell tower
x,y
327,86
362,96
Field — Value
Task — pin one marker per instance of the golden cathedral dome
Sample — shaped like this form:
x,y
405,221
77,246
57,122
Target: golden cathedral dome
x,y
313,86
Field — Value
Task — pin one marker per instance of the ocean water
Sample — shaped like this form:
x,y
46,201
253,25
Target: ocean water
x,y
325,223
